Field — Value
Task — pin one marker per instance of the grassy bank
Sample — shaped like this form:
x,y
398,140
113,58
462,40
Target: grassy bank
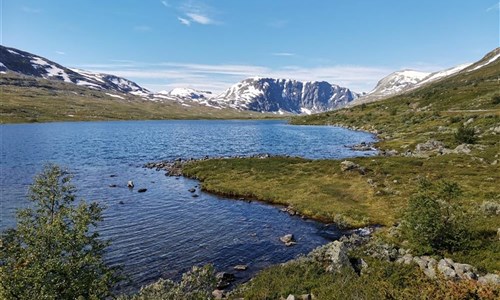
x,y
29,100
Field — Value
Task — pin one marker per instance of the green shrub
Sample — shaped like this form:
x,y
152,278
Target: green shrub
x,y
465,135
55,252
195,284
433,221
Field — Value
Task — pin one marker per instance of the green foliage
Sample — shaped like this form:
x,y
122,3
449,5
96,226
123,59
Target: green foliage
x,y
55,251
465,135
195,284
433,220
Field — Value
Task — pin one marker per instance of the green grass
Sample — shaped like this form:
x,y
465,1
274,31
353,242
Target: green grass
x,y
28,100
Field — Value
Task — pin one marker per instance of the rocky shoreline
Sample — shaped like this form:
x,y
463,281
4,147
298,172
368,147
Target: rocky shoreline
x,y
174,167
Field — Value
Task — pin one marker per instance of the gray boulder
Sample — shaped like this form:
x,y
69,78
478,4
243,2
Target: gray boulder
x,y
288,239
336,256
445,267
348,165
489,279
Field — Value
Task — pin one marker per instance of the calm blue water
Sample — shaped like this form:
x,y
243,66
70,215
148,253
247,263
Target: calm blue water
x,y
165,231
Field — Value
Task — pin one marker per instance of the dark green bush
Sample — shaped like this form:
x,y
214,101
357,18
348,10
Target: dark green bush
x,y
433,221
465,134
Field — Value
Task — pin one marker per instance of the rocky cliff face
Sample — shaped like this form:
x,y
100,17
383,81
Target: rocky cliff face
x,y
285,96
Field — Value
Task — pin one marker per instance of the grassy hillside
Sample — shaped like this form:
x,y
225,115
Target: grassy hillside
x,y
26,99
319,189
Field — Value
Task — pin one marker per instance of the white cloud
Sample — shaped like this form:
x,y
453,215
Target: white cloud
x,y
495,7
184,21
283,54
61,52
199,18
196,12
218,77
165,3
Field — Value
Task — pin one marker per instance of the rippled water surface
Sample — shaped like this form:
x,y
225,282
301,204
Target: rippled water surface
x,y
164,231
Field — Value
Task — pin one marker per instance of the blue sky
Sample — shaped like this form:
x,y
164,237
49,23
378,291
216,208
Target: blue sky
x,y
162,44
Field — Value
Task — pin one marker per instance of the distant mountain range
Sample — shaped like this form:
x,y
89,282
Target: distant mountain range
x,y
281,96
285,96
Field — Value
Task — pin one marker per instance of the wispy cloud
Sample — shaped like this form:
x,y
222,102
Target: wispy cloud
x,y
218,77
494,7
165,3
61,52
196,12
142,28
283,54
199,18
184,21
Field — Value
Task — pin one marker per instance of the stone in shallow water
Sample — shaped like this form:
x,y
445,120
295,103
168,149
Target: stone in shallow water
x,y
241,267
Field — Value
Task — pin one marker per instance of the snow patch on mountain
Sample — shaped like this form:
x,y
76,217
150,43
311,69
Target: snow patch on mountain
x,y
285,96
489,61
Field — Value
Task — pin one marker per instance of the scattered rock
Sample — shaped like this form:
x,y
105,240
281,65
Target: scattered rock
x,y
445,267
347,165
218,294
430,145
468,122
363,146
113,175
142,190
241,267
192,190
224,279
112,185
489,279
462,149
405,259
290,297
288,240
391,152
462,269
332,255
195,195
121,202
130,184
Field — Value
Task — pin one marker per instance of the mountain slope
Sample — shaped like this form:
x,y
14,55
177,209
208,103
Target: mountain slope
x,y
470,93
405,80
285,96
25,63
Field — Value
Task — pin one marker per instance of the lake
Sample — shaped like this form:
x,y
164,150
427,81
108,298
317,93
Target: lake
x,y
164,231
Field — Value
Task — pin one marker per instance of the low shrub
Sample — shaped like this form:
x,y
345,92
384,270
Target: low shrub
x,y
465,135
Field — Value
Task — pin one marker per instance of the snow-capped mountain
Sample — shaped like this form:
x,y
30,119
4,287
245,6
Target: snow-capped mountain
x,y
25,63
405,80
285,96
395,83
188,93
